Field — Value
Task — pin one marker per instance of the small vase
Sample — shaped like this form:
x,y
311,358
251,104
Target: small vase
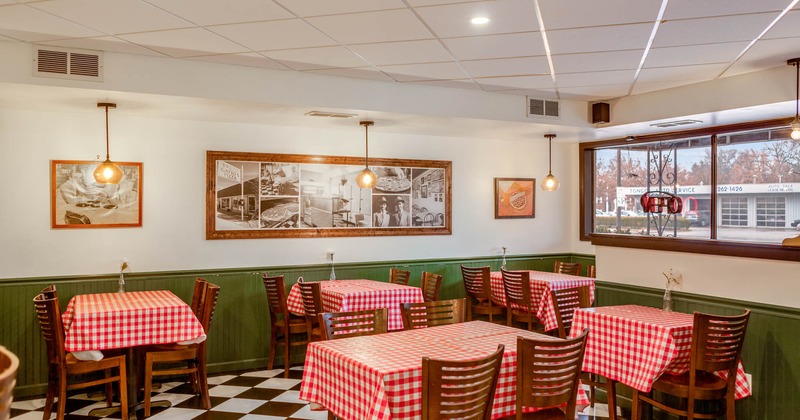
x,y
333,273
667,300
503,262
121,288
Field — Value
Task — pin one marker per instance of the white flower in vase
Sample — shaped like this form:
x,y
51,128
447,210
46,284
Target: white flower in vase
x,y
122,269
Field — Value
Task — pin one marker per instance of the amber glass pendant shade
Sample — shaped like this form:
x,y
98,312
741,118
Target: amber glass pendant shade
x,y
107,172
367,178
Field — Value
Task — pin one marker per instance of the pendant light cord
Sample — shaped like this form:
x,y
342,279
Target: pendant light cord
x,y
366,154
797,90
550,155
108,154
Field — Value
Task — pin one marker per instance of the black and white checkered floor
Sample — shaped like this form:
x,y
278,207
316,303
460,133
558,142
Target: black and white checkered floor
x,y
253,395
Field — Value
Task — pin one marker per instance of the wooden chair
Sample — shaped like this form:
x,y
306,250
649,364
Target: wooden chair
x,y
591,271
61,365
192,355
548,376
283,325
430,285
399,276
565,302
337,325
311,293
9,363
460,388
519,306
199,293
431,314
717,342
478,286
562,267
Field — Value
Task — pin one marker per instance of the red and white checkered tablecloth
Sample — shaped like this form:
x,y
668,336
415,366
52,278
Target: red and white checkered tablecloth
x,y
380,376
542,283
361,295
117,320
635,345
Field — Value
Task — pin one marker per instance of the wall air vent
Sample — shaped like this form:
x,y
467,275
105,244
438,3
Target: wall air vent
x,y
542,108
329,114
676,123
63,63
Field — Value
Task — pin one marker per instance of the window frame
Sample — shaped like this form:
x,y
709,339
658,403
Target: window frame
x,y
698,246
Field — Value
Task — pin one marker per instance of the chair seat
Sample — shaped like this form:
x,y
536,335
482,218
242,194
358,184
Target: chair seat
x,y
484,308
707,387
548,414
296,326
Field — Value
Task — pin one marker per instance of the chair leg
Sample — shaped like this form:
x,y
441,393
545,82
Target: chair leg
x,y
287,358
273,344
202,377
109,391
730,406
611,397
123,391
51,393
635,406
62,395
148,382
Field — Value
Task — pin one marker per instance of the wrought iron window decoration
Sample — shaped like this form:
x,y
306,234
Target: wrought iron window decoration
x,y
662,206
796,123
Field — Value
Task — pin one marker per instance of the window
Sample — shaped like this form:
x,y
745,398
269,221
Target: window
x,y
739,187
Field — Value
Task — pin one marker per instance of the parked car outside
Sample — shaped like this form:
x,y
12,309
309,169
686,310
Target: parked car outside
x,y
796,223
701,219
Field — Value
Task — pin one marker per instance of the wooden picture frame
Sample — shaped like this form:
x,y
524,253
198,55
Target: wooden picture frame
x,y
268,195
514,198
78,202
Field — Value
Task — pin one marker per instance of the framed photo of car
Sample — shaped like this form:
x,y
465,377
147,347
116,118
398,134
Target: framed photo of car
x,y
514,198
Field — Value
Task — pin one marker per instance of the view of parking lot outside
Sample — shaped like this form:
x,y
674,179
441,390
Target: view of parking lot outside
x,y
758,187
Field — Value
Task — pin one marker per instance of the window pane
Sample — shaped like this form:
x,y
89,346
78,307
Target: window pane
x,y
758,186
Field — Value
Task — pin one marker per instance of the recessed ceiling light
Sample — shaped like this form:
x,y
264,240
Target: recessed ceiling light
x,y
480,20
329,114
676,123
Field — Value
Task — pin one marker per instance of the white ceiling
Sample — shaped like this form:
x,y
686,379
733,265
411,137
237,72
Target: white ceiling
x,y
598,50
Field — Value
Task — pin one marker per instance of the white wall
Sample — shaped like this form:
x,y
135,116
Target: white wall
x,y
173,153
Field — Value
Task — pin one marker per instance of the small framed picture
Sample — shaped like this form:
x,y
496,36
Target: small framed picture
x,y
514,198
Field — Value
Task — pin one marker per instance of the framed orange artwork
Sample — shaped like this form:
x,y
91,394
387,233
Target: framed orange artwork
x,y
514,198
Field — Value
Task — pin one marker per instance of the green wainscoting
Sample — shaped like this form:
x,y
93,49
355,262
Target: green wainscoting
x,y
238,339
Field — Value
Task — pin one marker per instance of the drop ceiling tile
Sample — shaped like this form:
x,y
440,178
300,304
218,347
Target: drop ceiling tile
x,y
507,67
641,88
496,46
786,27
215,12
594,93
521,82
416,3
316,58
381,26
603,38
690,74
307,8
459,84
404,52
684,9
725,52
5,38
245,59
432,71
507,16
31,25
598,13
6,2
595,78
185,42
711,30
533,93
105,43
599,61
765,54
368,73
113,17
274,35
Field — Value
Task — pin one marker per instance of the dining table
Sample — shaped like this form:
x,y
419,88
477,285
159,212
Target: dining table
x,y
360,295
634,345
542,283
379,377
105,321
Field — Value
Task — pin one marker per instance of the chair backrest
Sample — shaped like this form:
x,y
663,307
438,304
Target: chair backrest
x,y
454,389
565,301
562,267
591,271
354,324
9,363
49,314
477,282
548,372
431,314
717,342
430,286
399,276
311,293
276,298
198,295
209,304
517,286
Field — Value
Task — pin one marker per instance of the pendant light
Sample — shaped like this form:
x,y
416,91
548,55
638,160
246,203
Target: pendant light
x,y
796,123
366,178
107,172
550,182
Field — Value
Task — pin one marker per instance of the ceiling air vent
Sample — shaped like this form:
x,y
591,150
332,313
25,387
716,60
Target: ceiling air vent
x,y
542,108
65,63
